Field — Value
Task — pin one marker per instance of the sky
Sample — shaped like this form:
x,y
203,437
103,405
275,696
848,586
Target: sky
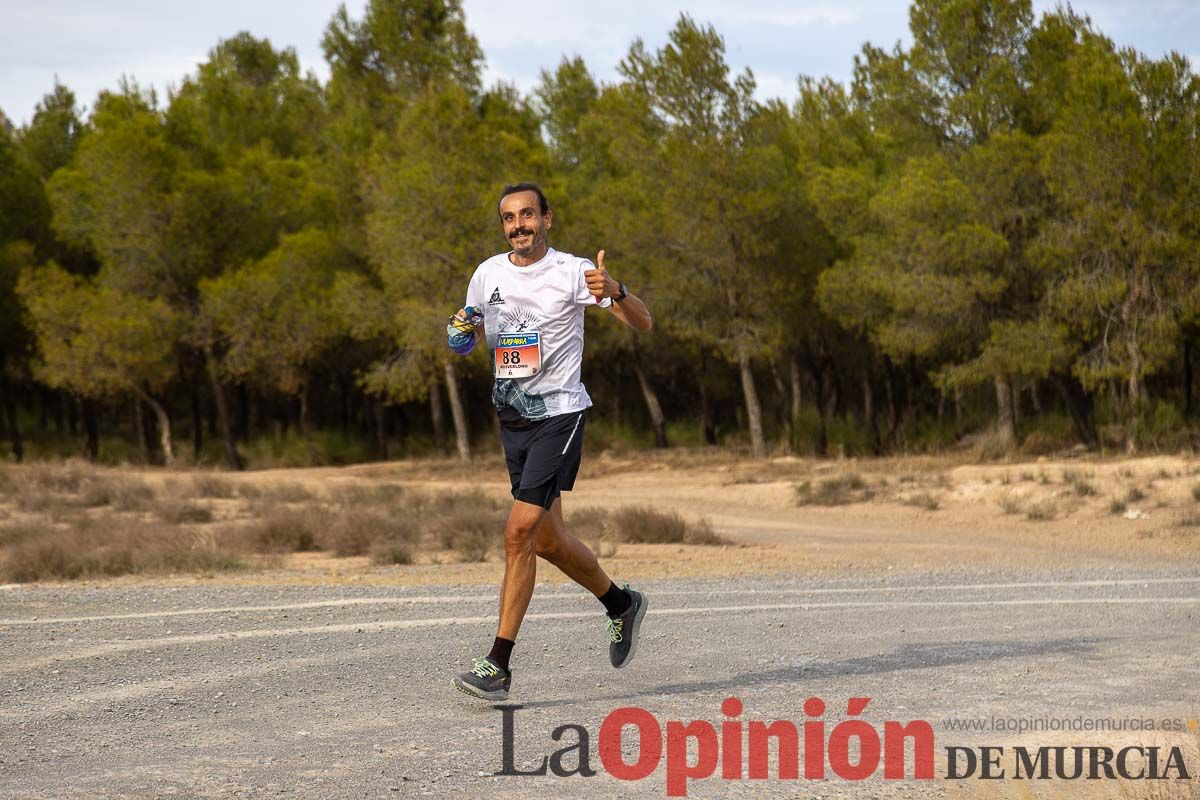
x,y
89,45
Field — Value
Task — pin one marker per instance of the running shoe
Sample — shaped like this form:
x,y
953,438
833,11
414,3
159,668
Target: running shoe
x,y
485,680
623,631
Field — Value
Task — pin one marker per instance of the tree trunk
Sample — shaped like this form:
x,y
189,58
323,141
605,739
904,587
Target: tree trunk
x,y
868,391
91,441
197,415
377,424
232,457
1135,411
707,418
302,418
1006,426
1080,406
1187,379
139,429
60,404
817,371
462,434
837,397
1016,403
781,392
438,417
758,446
653,407
794,370
9,409
343,404
14,426
889,390
957,413
164,426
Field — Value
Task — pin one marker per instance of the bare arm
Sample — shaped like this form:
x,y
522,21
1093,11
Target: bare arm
x,y
630,311
633,312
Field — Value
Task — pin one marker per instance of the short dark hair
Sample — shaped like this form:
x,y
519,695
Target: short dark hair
x,y
516,188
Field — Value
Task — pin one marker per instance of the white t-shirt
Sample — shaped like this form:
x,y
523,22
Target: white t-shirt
x,y
533,318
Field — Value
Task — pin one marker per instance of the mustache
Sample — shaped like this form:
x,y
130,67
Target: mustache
x,y
520,232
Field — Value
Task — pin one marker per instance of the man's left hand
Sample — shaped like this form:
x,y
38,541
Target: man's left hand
x,y
599,282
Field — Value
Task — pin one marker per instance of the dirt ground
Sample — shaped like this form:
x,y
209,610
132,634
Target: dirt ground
x,y
902,514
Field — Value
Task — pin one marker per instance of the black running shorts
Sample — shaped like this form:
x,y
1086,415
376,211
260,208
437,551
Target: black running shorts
x,y
543,456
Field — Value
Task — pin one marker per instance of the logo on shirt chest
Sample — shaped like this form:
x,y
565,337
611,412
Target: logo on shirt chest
x,y
517,320
495,299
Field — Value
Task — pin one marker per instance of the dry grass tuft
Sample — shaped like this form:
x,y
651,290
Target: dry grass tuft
x,y
643,525
469,534
1042,511
284,493
91,549
384,494
211,486
1012,503
286,530
356,533
391,554
923,500
837,491
176,511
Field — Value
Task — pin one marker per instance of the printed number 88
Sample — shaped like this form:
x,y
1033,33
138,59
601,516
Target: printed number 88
x,y
512,357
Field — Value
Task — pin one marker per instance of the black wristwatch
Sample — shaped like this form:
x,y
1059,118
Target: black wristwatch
x,y
623,294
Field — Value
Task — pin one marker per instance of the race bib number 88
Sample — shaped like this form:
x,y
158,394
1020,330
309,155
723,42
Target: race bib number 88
x,y
518,355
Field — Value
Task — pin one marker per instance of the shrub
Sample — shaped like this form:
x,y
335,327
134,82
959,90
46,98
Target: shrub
x,y
356,533
469,534
176,511
88,548
65,477
357,496
208,485
589,523
392,553
286,530
923,500
643,525
836,491
285,492
1012,503
1042,511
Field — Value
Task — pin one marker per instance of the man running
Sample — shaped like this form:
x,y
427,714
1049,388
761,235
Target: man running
x,y
529,303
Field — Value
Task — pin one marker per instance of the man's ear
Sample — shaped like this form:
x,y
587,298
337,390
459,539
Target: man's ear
x,y
549,219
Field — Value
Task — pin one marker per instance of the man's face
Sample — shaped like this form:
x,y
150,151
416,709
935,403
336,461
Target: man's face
x,y
524,224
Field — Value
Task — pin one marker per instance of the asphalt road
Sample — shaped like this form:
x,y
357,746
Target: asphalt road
x,y
341,692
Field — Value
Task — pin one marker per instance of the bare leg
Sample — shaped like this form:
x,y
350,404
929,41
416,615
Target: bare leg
x,y
520,566
573,557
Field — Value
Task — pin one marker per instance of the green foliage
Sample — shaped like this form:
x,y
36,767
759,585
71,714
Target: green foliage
x,y
1003,202
275,313
97,341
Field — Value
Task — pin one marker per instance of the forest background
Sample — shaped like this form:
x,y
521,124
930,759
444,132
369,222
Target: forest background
x,y
987,239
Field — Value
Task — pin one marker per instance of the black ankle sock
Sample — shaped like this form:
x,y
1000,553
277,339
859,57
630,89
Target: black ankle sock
x,y
616,600
501,651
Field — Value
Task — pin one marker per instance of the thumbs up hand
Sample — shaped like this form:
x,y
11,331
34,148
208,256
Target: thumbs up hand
x,y
599,282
